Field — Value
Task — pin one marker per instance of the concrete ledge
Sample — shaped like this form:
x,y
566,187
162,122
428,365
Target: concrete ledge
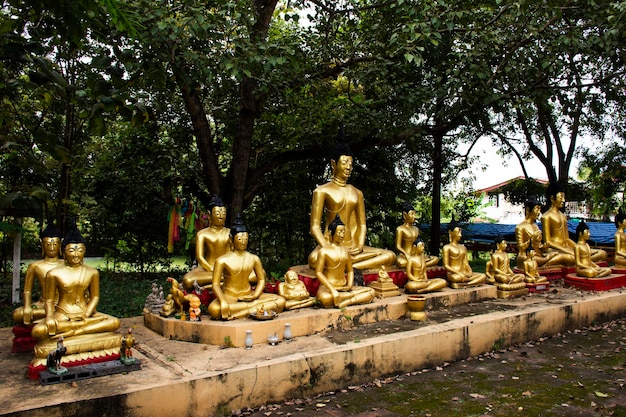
x,y
305,322
205,381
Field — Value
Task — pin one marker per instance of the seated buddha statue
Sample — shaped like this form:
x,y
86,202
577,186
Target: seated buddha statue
x,y
36,273
337,197
211,243
406,236
555,232
531,269
620,239
335,272
74,316
418,282
459,273
528,234
294,292
498,269
234,296
585,267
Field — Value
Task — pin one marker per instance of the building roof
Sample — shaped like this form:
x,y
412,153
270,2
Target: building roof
x,y
502,184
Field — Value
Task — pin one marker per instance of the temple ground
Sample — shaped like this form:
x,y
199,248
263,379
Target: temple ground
x,y
437,367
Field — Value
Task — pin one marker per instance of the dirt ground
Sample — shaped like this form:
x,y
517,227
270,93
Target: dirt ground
x,y
580,373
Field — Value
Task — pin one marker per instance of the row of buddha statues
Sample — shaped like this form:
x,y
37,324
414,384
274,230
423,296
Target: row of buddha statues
x,y
236,277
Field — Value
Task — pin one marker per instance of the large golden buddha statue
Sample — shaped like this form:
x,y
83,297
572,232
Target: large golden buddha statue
x,y
406,236
585,267
555,232
74,317
211,243
498,269
36,273
528,235
235,297
337,197
418,282
620,240
335,272
458,270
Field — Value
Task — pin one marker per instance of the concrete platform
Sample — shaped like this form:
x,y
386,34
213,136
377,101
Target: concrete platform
x,y
191,379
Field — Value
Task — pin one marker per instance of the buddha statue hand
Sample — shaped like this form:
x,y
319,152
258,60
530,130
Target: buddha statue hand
x,y
51,324
28,315
247,297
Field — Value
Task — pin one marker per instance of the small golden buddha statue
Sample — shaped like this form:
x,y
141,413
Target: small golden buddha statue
x,y
418,282
531,269
406,235
620,239
211,243
335,272
527,235
498,269
36,272
337,197
294,292
585,267
555,232
74,317
235,297
458,270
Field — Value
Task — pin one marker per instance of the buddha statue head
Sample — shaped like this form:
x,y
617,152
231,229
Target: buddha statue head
x,y
555,195
581,228
332,227
532,207
50,241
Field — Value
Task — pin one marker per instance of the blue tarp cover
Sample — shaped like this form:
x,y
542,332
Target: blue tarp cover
x,y
601,233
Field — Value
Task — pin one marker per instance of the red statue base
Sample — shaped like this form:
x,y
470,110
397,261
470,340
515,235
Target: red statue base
x,y
596,284
23,341
540,287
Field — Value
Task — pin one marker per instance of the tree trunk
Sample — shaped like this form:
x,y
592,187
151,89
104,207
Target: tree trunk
x,y
435,224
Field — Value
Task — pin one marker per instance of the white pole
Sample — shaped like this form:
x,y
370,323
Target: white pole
x,y
17,250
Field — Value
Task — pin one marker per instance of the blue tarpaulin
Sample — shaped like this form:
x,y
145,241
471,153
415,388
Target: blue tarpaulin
x,y
602,234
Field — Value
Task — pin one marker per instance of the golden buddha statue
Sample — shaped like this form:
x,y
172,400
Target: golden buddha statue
x,y
337,197
335,272
294,292
211,243
235,297
418,282
531,269
528,234
406,235
498,269
555,232
585,267
458,270
620,239
74,317
36,272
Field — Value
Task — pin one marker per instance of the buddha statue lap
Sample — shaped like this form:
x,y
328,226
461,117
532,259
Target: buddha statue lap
x,y
531,269
459,273
528,234
211,243
294,292
418,282
235,297
36,273
555,232
85,331
406,236
585,267
335,272
337,197
620,240
498,269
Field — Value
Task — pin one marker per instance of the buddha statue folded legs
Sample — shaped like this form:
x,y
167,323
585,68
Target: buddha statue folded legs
x,y
86,333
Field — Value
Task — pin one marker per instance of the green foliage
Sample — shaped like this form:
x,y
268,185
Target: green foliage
x,y
518,191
